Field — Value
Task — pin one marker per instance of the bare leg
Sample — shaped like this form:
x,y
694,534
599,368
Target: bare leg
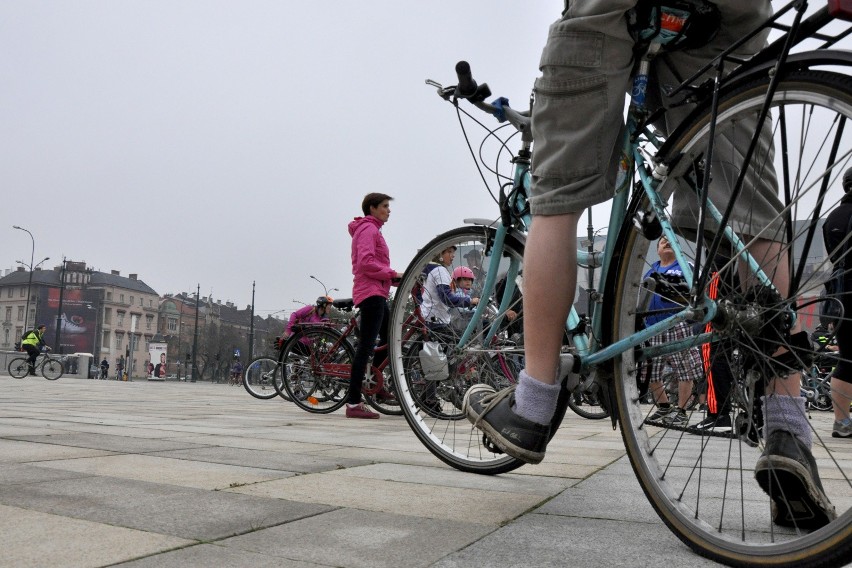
x,y
684,391
550,277
841,396
659,393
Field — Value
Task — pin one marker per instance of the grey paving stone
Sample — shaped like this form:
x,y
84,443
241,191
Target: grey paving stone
x,y
544,541
206,555
15,474
362,539
166,509
127,444
264,459
35,540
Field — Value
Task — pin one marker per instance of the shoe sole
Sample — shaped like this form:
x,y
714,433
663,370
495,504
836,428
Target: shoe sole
x,y
841,435
497,439
799,502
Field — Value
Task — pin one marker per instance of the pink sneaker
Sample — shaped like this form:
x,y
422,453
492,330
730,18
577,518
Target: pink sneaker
x,y
359,410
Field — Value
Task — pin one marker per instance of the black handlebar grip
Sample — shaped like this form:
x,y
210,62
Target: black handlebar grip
x,y
466,86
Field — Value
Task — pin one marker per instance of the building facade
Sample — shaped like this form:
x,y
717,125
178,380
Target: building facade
x,y
85,311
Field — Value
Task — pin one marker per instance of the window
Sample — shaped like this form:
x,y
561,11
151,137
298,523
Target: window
x,y
119,340
150,303
121,298
172,324
108,315
105,341
136,343
148,321
120,317
9,292
20,313
32,314
8,313
131,300
6,336
109,295
23,291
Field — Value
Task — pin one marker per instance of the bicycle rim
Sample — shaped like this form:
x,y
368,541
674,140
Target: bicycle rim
x,y
703,485
18,368
318,364
433,405
260,377
51,369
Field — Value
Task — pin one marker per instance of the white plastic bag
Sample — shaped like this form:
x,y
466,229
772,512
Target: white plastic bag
x,y
433,362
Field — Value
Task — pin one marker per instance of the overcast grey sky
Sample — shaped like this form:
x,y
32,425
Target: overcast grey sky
x,y
221,142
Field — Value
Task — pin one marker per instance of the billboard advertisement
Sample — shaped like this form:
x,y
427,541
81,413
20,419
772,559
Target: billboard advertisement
x,y
157,356
78,319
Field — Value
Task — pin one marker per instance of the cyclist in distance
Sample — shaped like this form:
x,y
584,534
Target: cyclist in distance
x,y
372,279
576,124
32,343
318,312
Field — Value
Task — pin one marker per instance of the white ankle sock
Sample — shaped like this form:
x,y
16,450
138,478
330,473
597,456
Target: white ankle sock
x,y
535,400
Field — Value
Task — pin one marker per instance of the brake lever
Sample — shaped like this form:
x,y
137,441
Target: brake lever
x,y
444,92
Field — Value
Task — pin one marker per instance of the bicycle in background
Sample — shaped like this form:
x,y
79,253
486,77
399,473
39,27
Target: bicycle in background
x,y
48,365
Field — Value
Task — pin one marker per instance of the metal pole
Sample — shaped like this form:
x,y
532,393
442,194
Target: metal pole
x,y
251,327
30,283
59,309
195,338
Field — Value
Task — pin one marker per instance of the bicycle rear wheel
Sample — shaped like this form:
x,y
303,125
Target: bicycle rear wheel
x,y
317,370
260,377
432,404
703,484
19,367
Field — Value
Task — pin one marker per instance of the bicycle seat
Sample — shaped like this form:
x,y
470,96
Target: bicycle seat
x,y
345,304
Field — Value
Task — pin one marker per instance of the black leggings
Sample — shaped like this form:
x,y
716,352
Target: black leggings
x,y
33,353
375,316
843,370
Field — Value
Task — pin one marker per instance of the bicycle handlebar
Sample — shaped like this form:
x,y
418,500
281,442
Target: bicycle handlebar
x,y
467,86
476,94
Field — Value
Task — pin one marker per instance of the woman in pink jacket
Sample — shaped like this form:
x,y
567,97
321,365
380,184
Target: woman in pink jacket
x,y
372,278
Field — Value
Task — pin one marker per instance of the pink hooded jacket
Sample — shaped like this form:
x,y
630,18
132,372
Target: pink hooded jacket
x,y
371,269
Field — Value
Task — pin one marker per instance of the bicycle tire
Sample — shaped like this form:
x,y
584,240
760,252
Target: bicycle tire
x,y
703,487
318,381
52,369
587,405
18,367
433,408
260,377
386,402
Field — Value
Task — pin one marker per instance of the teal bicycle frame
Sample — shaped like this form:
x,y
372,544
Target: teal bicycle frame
x,y
634,158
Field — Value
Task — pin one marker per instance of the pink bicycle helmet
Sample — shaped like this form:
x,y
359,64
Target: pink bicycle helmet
x,y
463,272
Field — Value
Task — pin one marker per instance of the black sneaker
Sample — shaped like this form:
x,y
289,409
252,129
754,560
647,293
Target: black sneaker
x,y
491,412
662,410
787,472
715,423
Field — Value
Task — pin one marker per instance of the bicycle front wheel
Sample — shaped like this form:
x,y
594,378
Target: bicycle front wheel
x,y
260,378
19,367
432,402
317,370
51,369
704,483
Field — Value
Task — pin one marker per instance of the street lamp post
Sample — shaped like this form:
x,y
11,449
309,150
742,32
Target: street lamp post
x,y
326,290
30,283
